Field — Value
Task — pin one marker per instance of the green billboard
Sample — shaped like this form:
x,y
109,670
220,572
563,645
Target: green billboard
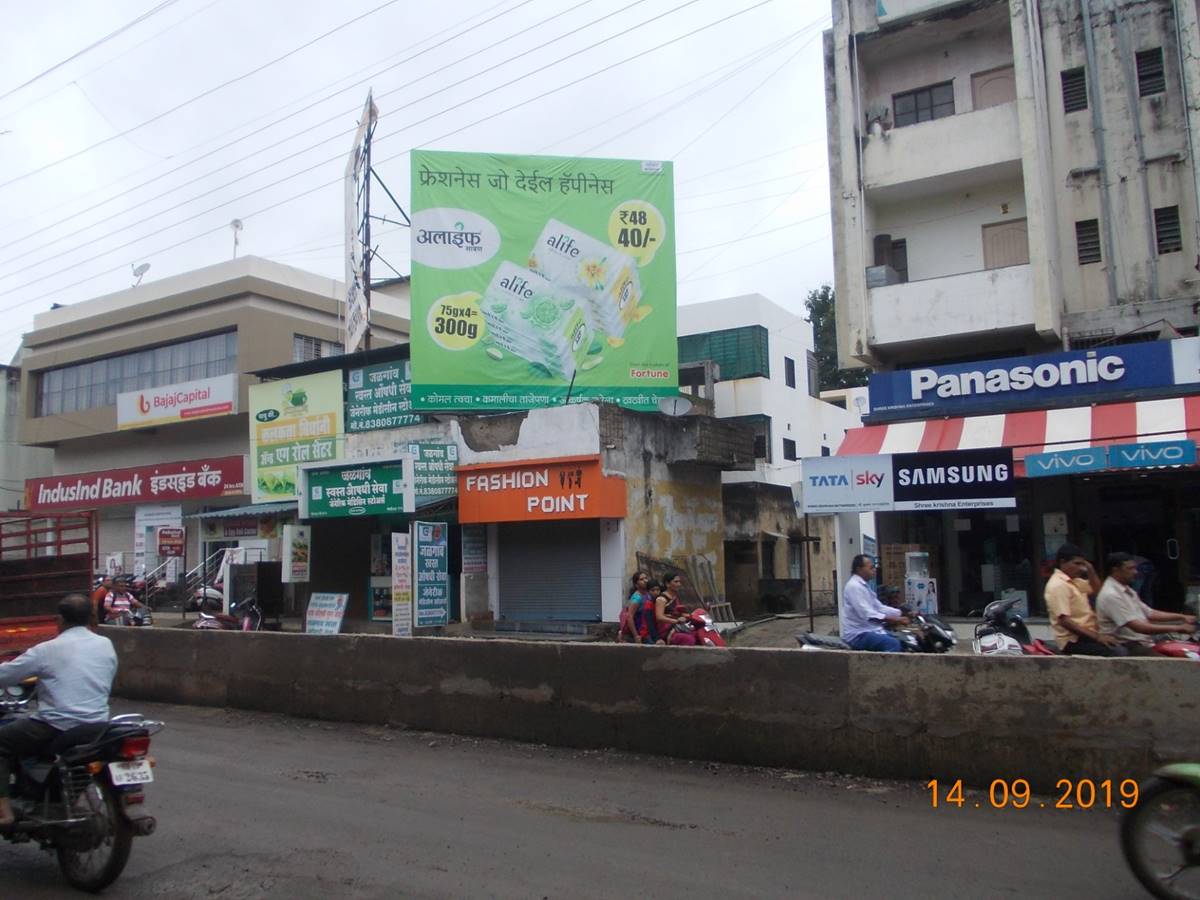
x,y
358,489
537,280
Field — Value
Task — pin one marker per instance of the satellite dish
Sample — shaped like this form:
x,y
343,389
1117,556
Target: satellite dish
x,y
675,406
236,225
139,272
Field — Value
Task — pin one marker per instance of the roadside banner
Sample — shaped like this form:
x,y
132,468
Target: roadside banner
x,y
297,550
402,599
325,613
433,574
538,278
292,422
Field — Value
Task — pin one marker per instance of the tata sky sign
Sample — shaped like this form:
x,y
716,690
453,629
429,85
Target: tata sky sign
x,y
1036,381
959,479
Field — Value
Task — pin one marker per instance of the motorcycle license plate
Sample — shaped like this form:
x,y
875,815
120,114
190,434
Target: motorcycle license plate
x,y
136,772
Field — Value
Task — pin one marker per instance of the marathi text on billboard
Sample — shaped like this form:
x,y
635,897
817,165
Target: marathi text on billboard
x,y
538,279
293,422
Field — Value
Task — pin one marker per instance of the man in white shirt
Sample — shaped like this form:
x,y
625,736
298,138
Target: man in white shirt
x,y
1122,613
863,616
75,673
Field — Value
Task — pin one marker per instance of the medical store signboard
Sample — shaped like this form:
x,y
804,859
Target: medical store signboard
x,y
380,397
536,279
293,422
1036,381
959,479
539,490
177,402
357,489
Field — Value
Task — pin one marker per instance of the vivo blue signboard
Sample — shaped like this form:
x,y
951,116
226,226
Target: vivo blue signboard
x,y
1023,382
1118,456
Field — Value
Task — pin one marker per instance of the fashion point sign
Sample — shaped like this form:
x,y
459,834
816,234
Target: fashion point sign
x,y
1033,381
536,490
536,279
195,479
177,402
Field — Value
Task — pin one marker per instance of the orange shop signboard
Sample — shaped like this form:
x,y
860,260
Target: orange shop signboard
x,y
537,490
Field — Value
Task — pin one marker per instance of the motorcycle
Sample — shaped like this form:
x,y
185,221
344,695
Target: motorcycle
x,y
1160,834
84,797
697,631
923,634
245,615
1003,632
137,617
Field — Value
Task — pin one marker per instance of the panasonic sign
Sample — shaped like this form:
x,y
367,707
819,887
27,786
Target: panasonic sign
x,y
1092,369
1031,382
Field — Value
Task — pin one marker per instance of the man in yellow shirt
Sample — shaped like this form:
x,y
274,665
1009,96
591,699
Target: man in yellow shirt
x,y
1071,616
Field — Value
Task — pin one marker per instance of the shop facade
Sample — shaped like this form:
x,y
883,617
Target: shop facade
x,y
1104,451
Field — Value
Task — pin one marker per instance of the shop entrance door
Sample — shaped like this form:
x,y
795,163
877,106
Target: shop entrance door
x,y
1142,519
550,571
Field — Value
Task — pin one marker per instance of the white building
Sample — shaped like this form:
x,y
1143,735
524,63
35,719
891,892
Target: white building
x,y
766,378
1010,176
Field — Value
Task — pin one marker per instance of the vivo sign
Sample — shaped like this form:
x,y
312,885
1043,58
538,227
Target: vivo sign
x,y
1029,381
1118,456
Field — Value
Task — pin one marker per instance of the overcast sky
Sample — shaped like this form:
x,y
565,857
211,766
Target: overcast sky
x,y
134,131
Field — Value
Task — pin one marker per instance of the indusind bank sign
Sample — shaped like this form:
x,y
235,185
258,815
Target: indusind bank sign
x,y
223,476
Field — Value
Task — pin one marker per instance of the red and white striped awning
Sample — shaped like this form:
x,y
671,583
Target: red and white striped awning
x,y
1036,431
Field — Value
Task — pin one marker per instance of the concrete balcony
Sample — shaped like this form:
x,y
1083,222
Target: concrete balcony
x,y
926,158
954,305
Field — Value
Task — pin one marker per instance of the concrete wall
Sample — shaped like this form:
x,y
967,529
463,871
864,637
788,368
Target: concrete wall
x,y
915,717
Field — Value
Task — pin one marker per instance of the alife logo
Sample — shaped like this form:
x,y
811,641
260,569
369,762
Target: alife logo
x,y
563,244
517,285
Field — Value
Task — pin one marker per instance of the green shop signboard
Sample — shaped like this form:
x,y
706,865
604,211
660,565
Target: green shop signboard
x,y
380,397
357,490
293,422
536,279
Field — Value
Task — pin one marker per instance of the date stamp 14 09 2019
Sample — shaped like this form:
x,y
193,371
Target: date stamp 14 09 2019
x,y
1015,793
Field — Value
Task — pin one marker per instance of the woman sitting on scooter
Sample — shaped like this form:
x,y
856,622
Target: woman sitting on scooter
x,y
669,610
631,612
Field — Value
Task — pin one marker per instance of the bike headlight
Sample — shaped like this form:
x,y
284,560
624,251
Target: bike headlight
x,y
15,691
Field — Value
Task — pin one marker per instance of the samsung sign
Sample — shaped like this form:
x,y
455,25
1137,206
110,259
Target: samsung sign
x,y
1033,381
959,479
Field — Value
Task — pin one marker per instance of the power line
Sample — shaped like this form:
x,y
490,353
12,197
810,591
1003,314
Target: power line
x,y
206,93
92,46
750,184
271,165
746,237
312,190
752,159
263,128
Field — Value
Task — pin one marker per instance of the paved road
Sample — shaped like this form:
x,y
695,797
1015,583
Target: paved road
x,y
255,805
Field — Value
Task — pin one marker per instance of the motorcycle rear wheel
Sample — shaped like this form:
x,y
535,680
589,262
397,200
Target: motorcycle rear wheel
x,y
99,866
1160,838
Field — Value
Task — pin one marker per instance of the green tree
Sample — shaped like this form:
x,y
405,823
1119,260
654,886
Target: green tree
x,y
820,308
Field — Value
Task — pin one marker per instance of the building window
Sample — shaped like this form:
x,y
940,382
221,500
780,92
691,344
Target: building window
x,y
924,104
795,560
1152,79
89,385
789,449
761,426
768,557
814,374
824,450
993,88
1087,241
739,352
305,348
1074,90
1166,230
900,259
789,371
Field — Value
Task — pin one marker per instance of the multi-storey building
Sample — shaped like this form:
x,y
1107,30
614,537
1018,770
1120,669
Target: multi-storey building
x,y
1016,178
1010,176
760,359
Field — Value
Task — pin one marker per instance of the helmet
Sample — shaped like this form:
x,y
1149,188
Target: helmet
x,y
997,644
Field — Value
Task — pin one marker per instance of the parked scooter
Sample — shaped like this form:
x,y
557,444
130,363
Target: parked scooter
x,y
245,615
697,631
138,616
1004,633
85,798
1160,835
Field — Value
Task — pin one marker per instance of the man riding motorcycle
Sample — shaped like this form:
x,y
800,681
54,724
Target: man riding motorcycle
x,y
75,673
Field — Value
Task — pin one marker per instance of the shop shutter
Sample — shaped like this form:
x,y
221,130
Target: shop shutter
x,y
550,571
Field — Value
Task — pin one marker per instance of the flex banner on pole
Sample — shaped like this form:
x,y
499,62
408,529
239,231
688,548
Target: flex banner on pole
x,y
540,279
